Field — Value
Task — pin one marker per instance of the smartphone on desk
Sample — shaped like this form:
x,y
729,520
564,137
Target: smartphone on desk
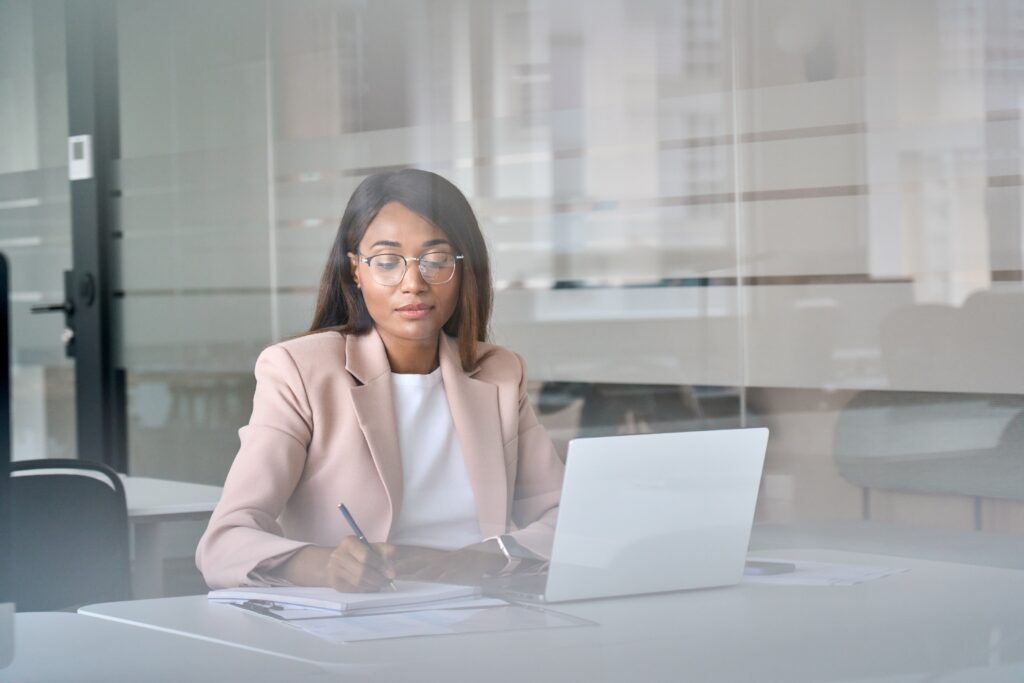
x,y
764,567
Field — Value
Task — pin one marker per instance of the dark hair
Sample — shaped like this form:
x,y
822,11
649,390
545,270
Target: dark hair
x,y
340,302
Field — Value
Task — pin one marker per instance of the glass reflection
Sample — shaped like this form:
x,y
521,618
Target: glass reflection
x,y
798,214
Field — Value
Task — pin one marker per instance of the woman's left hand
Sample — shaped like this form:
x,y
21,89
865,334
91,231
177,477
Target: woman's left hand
x,y
465,565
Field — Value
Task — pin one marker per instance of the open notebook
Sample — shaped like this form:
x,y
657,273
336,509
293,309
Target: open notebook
x,y
409,593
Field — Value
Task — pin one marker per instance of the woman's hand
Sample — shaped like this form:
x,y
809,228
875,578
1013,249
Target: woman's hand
x,y
465,565
354,567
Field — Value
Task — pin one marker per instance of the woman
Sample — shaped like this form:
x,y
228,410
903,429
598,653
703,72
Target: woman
x,y
394,405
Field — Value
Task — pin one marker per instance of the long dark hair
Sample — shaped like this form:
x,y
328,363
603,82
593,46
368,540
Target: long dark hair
x,y
340,304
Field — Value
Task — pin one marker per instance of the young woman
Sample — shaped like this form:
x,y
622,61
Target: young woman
x,y
394,405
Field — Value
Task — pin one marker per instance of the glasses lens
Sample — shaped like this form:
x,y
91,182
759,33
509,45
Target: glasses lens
x,y
437,267
387,269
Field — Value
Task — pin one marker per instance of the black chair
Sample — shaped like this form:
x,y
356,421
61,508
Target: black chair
x,y
69,536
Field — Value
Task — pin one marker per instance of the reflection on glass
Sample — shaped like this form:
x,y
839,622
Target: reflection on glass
x,y
702,214
35,224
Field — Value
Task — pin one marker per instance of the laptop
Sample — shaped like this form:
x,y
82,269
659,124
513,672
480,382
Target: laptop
x,y
649,513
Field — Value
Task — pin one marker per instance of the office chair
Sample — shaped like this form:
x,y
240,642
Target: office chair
x,y
69,535
933,442
924,436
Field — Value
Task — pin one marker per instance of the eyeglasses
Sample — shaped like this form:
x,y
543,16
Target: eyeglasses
x,y
436,267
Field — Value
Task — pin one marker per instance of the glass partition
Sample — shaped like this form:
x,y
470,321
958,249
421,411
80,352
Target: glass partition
x,y
702,214
880,215
35,224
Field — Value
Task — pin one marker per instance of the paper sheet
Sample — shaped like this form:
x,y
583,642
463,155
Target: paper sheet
x,y
302,613
320,597
821,573
435,623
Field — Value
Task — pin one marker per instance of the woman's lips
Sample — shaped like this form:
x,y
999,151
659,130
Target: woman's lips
x,y
414,311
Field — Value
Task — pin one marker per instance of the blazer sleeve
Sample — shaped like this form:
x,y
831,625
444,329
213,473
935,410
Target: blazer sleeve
x,y
244,539
539,473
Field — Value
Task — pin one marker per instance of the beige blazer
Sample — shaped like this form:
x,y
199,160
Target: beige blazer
x,y
323,432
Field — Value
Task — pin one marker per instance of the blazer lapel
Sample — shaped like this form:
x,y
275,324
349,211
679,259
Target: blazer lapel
x,y
474,407
367,361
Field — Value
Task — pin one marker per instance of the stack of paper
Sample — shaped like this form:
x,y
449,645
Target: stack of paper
x,y
415,609
303,602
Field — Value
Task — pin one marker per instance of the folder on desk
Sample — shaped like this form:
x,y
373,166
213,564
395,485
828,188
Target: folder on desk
x,y
328,600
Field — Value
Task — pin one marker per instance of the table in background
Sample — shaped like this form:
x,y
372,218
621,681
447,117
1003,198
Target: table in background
x,y
151,504
938,621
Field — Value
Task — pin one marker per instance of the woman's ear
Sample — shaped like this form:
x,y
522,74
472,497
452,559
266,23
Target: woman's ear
x,y
353,264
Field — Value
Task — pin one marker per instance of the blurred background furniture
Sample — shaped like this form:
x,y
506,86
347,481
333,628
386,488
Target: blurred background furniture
x,y
932,442
69,534
152,505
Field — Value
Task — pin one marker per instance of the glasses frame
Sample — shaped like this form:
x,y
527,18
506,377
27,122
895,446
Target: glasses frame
x,y
405,266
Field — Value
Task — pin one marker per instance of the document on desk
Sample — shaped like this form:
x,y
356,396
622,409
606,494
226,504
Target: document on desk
x,y
285,613
436,622
821,574
303,602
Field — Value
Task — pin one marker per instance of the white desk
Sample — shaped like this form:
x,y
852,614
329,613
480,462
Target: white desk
x,y
939,621
58,646
151,503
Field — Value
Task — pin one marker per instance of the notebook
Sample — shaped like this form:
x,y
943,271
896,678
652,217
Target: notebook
x,y
409,593
647,513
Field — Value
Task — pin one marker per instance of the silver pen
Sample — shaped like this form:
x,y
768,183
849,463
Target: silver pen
x,y
359,534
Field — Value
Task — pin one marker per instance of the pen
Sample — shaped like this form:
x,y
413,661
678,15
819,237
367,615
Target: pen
x,y
359,534
262,607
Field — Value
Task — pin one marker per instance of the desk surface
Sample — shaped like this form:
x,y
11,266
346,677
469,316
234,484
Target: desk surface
x,y
161,498
934,620
58,646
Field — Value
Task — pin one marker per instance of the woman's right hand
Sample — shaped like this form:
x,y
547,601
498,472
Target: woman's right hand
x,y
354,567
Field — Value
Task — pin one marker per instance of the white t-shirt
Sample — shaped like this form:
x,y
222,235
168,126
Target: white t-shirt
x,y
438,508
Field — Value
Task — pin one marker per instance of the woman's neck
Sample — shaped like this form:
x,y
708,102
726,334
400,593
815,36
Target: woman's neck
x,y
407,357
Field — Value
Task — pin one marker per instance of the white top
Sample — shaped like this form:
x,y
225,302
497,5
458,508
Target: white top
x,y
438,509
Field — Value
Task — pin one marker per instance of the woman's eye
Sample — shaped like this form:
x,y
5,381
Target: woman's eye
x,y
387,264
437,261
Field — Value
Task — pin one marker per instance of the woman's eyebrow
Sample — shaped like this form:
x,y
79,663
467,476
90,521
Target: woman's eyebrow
x,y
398,245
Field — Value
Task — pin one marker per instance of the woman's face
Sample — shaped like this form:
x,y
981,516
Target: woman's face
x,y
413,310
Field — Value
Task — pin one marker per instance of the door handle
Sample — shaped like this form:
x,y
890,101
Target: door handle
x,y
67,307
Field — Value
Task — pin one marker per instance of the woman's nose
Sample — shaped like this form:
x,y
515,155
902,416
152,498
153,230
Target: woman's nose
x,y
413,280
